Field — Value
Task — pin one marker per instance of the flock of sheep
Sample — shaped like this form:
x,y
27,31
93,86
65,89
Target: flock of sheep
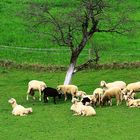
x,y
82,104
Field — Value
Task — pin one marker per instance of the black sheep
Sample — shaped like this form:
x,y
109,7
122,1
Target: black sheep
x,y
50,92
85,100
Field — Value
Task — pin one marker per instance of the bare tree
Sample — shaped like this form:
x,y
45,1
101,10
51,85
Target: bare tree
x,y
76,26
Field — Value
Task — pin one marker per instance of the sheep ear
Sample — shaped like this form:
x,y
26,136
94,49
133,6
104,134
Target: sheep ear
x,y
13,102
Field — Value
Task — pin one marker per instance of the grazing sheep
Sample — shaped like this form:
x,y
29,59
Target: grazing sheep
x,y
80,94
65,89
110,93
98,93
33,86
88,100
19,110
51,92
132,87
119,84
128,95
81,109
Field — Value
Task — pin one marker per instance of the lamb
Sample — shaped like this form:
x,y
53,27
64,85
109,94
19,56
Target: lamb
x,y
98,93
81,109
51,92
119,84
65,89
34,85
132,87
112,92
19,110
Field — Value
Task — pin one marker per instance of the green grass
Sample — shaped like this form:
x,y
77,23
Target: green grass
x,y
14,33
55,122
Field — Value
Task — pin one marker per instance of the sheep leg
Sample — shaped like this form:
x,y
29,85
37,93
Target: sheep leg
x,y
110,102
39,95
121,97
83,113
75,114
132,106
27,98
126,103
65,97
100,101
21,114
28,91
45,99
73,96
54,100
118,101
34,97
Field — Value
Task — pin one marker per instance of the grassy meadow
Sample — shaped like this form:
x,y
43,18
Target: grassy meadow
x,y
55,122
16,34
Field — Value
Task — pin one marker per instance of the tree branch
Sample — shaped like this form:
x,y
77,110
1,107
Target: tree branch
x,y
111,31
84,65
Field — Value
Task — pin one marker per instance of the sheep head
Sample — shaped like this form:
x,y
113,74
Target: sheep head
x,y
12,101
102,83
74,100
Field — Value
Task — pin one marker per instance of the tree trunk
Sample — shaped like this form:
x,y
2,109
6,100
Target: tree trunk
x,y
69,74
70,70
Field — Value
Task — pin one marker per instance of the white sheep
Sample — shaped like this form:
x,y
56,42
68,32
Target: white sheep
x,y
65,89
110,93
34,85
98,93
80,94
132,87
133,102
119,84
81,109
88,100
19,110
76,107
88,111
128,95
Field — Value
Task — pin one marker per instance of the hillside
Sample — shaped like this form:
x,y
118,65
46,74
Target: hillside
x,y
15,38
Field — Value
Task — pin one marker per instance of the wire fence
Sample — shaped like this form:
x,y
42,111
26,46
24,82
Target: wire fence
x,y
61,56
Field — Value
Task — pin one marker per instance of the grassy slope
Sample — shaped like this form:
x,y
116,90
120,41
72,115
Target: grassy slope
x,y
55,122
14,33
50,121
